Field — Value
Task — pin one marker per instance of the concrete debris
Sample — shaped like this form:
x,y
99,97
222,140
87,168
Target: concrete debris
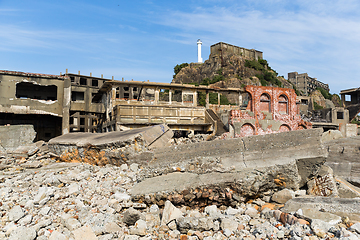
x,y
113,148
244,166
331,135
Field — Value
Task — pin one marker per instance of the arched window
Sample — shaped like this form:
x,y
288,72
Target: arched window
x,y
283,105
265,105
247,130
246,101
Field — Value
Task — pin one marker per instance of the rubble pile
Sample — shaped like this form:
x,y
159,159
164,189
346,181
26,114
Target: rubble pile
x,y
192,138
82,201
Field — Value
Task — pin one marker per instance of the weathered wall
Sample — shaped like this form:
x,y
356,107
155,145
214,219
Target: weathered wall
x,y
25,105
12,137
270,110
249,53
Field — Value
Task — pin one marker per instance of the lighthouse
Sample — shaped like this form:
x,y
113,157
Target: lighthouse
x,y
199,51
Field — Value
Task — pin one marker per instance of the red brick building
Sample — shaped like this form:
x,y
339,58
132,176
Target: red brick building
x,y
266,110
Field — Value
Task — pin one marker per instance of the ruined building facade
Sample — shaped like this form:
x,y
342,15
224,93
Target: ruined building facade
x,y
59,104
220,47
306,84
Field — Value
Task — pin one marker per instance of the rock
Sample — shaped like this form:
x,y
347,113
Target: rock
x,y
311,213
112,227
355,227
212,211
35,164
139,228
56,235
251,211
84,233
25,220
130,216
283,196
170,213
121,196
331,135
230,224
15,213
23,233
69,222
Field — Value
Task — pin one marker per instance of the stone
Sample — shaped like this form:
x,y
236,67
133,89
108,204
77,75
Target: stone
x,y
121,196
212,211
73,188
56,235
112,227
130,216
23,233
15,213
35,164
283,196
251,211
345,189
134,167
44,211
355,227
84,233
139,228
170,213
25,220
230,224
69,222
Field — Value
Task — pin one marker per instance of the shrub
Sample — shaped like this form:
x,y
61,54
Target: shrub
x,y
178,67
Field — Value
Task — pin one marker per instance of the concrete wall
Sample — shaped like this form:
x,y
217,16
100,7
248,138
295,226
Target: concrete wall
x,y
248,53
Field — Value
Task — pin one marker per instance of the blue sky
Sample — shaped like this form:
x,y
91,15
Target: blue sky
x,y
144,40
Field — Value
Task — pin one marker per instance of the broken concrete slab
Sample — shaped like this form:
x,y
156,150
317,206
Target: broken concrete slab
x,y
339,206
345,189
249,165
13,136
343,158
109,148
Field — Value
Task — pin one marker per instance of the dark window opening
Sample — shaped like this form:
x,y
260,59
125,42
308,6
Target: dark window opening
x,y
71,121
72,79
117,95
135,97
134,88
77,96
48,135
304,101
126,88
82,121
340,115
126,95
82,130
33,91
94,83
83,81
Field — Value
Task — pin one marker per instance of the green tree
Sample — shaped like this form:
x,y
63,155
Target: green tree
x,y
178,67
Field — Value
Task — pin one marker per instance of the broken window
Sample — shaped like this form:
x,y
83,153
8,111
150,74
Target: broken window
x,y
188,98
149,94
94,83
126,88
83,81
164,95
340,115
176,96
304,101
265,105
72,79
246,101
77,96
283,104
34,91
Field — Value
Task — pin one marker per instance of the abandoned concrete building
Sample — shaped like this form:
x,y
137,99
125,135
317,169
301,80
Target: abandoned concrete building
x,y
351,101
306,84
219,47
58,104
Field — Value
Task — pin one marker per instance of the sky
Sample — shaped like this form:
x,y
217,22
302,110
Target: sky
x,y
144,39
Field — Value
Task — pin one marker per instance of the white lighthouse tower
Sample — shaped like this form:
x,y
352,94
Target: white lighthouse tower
x,y
199,43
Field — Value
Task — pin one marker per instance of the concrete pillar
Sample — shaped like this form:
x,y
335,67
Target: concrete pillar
x,y
157,96
170,95
219,99
240,99
195,98
66,106
112,100
207,105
